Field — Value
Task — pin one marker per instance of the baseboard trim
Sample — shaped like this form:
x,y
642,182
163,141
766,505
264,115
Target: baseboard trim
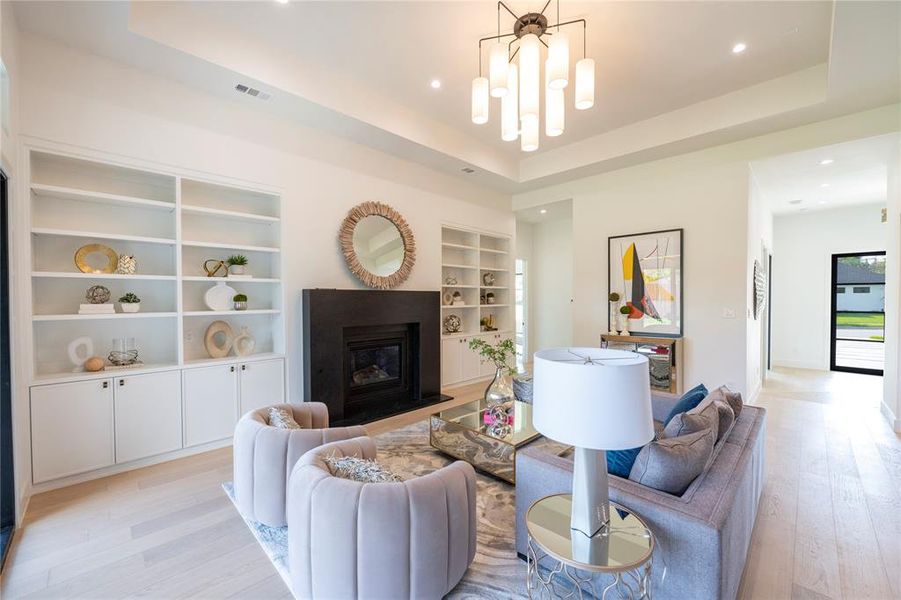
x,y
890,416
799,364
62,482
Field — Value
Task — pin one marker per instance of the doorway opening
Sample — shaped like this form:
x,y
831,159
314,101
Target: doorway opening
x,y
7,478
858,313
521,336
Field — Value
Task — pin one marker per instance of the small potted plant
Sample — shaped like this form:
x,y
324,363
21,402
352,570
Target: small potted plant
x,y
130,303
624,312
240,301
613,299
236,264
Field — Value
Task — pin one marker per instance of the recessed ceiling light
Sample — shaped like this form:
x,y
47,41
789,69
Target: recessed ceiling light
x,y
824,185
739,48
435,84
822,202
826,161
282,1
543,211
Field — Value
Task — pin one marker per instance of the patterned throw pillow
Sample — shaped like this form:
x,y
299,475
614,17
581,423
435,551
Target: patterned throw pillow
x,y
360,469
281,418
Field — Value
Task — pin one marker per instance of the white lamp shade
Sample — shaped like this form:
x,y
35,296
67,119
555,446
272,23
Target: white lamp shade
x,y
585,84
529,77
529,135
554,107
480,100
557,61
497,70
592,398
510,107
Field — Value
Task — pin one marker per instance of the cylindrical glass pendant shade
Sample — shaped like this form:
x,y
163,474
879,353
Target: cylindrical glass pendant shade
x,y
529,77
510,107
585,83
557,61
554,106
480,100
529,139
497,70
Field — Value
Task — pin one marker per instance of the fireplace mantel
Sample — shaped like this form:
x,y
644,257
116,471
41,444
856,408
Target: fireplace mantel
x,y
334,320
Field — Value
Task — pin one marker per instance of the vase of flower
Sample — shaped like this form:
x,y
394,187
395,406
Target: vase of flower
x,y
500,390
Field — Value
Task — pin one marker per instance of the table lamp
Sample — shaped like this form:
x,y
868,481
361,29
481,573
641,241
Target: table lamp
x,y
596,399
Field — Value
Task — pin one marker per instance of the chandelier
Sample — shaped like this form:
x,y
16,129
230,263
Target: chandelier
x,y
519,85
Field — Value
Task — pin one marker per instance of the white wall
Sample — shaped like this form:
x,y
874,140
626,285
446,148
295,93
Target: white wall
x,y
891,403
760,245
707,194
803,247
552,283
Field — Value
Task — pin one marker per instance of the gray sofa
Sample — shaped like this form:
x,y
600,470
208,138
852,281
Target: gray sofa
x,y
703,535
346,539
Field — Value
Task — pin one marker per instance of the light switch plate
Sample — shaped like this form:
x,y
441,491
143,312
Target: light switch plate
x,y
728,313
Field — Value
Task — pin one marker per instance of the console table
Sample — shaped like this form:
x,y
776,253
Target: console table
x,y
664,356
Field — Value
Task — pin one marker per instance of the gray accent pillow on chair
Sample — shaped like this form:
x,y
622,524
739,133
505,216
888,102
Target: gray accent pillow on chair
x,y
671,464
704,416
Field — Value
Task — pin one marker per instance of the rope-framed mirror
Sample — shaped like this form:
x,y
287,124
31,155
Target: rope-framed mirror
x,y
378,245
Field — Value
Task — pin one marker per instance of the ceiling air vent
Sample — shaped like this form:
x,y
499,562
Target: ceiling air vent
x,y
794,201
468,170
244,89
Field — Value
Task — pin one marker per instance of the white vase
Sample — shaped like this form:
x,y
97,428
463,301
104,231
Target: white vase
x,y
237,269
130,307
623,324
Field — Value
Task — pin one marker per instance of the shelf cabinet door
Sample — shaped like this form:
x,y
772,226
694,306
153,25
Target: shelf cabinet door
x,y
262,384
451,361
71,428
472,362
211,403
148,415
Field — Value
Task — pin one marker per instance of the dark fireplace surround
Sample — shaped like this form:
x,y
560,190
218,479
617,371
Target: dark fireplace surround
x,y
370,354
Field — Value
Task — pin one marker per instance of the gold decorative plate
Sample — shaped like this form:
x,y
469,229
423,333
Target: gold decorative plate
x,y
81,256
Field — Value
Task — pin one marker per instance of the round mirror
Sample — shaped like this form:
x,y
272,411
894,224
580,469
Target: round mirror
x,y
378,245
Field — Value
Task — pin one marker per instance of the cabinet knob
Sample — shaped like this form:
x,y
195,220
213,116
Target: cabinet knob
x,y
105,384
121,382
243,367
232,368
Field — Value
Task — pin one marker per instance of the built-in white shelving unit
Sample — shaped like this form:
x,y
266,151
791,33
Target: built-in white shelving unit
x,y
171,224
471,257
178,400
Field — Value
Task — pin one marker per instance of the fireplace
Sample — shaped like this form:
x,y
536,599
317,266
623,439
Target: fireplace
x,y
370,354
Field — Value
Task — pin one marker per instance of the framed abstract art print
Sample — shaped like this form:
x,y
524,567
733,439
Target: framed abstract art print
x,y
645,269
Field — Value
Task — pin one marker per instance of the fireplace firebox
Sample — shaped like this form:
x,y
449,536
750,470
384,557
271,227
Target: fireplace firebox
x,y
370,354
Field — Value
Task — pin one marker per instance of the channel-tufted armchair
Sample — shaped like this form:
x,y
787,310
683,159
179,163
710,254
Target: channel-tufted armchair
x,y
264,456
346,539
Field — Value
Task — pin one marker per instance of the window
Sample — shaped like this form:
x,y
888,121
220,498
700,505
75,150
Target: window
x,y
861,290
839,290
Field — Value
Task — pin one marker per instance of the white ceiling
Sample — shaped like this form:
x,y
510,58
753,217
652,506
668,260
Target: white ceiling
x,y
856,175
361,70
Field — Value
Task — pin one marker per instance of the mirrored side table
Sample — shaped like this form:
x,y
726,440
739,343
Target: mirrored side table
x,y
571,561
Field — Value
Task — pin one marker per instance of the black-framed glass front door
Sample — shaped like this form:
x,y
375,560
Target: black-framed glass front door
x,y
858,313
7,478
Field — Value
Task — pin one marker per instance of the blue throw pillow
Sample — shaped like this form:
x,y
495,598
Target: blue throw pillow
x,y
688,401
619,462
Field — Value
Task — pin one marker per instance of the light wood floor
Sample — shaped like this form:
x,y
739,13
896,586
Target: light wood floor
x,y
829,524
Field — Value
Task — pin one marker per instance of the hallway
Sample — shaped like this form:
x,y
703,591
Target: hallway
x,y
829,524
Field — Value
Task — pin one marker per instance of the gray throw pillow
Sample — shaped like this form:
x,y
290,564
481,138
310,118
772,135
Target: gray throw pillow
x,y
670,465
726,418
703,416
281,418
733,399
360,469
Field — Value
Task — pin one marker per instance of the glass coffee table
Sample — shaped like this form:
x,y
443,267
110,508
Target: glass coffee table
x,y
483,438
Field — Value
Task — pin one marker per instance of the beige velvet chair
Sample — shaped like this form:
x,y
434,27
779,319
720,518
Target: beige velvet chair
x,y
346,539
264,456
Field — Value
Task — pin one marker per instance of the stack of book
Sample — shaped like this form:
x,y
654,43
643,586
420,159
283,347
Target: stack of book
x,y
97,309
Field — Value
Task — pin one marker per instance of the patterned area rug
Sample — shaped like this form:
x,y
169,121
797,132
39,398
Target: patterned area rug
x,y
496,571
